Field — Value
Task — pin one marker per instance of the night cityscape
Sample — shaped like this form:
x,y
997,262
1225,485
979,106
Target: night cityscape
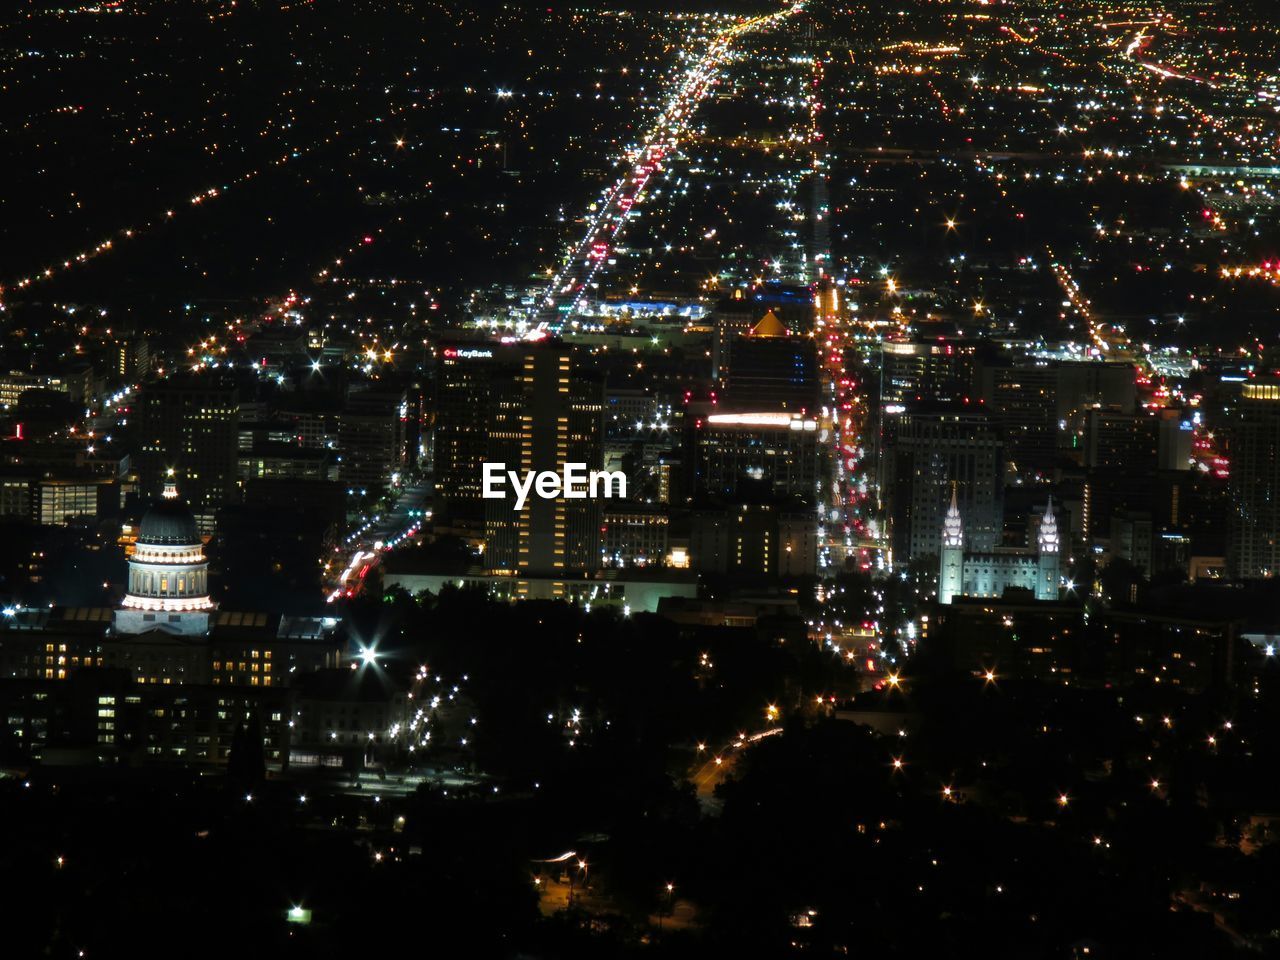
x,y
722,478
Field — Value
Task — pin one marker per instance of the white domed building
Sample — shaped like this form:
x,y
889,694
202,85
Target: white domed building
x,y
168,573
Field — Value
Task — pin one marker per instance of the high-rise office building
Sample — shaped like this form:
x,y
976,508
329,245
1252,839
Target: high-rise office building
x,y
15,383
770,369
1086,385
941,371
628,411
1042,407
732,318
755,539
1022,399
466,373
548,414
372,436
1253,546
1132,539
636,535
1177,435
130,358
923,454
1189,512
189,428
1120,440
780,449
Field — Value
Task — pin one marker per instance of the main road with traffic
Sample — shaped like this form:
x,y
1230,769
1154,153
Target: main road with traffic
x,y
570,284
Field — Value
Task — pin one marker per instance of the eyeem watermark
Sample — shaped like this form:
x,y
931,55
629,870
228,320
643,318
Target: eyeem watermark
x,y
574,482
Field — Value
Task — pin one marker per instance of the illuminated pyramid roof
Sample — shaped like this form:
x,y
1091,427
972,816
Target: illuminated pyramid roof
x,y
770,326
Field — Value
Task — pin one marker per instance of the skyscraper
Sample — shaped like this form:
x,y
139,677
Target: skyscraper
x,y
777,448
1120,440
189,428
465,376
1022,400
372,436
1253,547
777,538
732,318
772,369
938,372
924,453
548,414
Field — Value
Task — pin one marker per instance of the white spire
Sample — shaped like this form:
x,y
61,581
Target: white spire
x,y
1048,537
170,487
953,526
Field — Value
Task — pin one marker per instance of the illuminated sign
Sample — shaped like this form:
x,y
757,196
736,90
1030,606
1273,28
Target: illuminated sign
x,y
468,353
786,420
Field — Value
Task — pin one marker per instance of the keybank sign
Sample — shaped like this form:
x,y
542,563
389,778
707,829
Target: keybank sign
x,y
573,482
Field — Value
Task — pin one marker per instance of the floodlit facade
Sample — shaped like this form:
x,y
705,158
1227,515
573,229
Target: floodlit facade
x,y
168,573
990,573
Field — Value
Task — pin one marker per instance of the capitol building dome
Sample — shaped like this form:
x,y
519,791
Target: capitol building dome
x,y
169,522
168,571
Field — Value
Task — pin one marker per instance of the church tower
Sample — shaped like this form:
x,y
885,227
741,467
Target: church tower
x,y
951,557
1047,556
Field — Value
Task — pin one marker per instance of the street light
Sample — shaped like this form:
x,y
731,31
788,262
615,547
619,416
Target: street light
x,y
582,868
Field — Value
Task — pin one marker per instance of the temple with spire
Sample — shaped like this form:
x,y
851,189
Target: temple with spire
x,y
963,574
